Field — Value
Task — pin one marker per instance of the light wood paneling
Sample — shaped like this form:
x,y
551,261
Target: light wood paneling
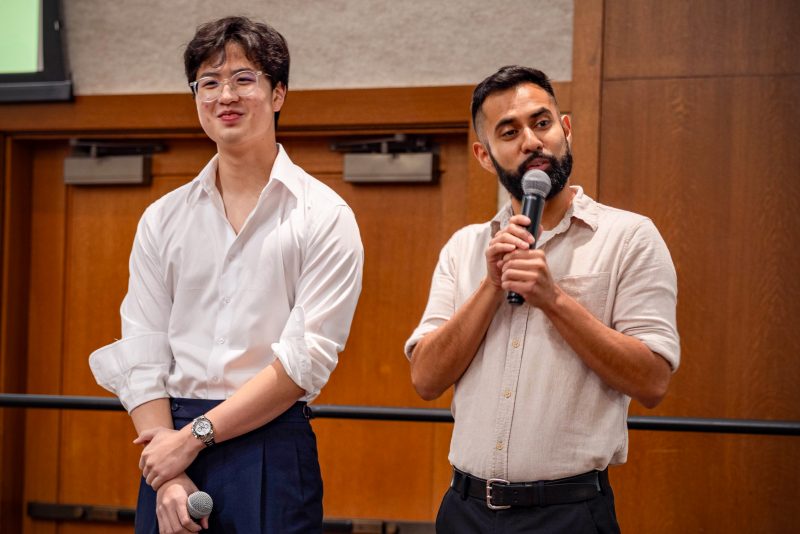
x,y
656,38
699,106
713,162
587,71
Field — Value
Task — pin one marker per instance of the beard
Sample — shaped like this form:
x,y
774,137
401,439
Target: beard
x,y
559,172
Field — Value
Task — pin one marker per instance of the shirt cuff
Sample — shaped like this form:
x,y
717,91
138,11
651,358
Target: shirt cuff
x,y
420,332
135,368
667,349
308,358
293,352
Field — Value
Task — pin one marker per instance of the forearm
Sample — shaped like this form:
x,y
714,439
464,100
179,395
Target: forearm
x,y
155,413
441,357
623,362
260,400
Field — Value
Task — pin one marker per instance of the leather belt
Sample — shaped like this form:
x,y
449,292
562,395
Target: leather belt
x,y
500,494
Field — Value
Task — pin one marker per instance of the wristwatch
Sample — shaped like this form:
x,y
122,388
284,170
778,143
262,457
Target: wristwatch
x,y
203,430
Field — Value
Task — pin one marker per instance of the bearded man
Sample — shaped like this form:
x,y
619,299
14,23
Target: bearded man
x,y
542,389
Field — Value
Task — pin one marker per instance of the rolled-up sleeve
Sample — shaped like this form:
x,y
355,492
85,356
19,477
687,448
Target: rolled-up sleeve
x,y
325,301
133,368
136,367
647,293
441,301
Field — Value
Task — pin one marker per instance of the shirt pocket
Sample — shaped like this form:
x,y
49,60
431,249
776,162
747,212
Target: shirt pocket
x,y
589,290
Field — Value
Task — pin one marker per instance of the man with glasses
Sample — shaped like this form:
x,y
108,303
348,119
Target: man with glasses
x,y
243,284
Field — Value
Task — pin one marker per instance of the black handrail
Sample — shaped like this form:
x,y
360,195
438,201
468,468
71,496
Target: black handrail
x,y
431,415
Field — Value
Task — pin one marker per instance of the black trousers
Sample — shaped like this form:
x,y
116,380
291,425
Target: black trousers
x,y
467,515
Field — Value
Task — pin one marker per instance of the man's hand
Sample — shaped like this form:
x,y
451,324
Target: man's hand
x,y
173,516
526,272
514,237
513,266
167,453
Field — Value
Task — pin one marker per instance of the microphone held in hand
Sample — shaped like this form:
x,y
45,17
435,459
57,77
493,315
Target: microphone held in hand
x,y
535,187
199,505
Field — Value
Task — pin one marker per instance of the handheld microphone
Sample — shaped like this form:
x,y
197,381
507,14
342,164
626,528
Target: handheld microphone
x,y
535,187
199,505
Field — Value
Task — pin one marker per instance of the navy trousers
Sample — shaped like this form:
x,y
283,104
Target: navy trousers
x,y
266,481
467,515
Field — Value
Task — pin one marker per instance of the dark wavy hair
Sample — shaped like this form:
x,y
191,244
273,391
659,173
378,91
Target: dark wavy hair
x,y
506,78
261,43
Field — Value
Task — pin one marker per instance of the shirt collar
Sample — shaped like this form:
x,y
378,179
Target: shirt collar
x,y
582,208
283,171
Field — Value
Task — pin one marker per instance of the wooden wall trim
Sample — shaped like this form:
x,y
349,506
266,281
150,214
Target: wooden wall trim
x,y
587,72
309,110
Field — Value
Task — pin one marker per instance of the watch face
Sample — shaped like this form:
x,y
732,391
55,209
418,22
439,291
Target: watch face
x,y
202,427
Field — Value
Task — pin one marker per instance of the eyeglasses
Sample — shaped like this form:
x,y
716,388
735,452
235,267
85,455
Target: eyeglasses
x,y
209,88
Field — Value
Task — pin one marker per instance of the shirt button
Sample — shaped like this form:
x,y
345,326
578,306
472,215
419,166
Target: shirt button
x,y
507,393
226,300
215,379
515,343
499,446
220,340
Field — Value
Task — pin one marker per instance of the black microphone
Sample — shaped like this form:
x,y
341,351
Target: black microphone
x,y
536,186
199,505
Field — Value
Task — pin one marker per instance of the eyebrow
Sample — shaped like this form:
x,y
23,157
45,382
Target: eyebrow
x,y
509,120
212,74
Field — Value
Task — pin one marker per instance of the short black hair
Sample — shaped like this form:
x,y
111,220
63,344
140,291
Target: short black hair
x,y
261,43
506,78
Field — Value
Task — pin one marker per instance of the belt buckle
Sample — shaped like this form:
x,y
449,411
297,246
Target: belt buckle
x,y
489,494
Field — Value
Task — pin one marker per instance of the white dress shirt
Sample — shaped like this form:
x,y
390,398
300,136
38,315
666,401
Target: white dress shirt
x,y
207,309
528,408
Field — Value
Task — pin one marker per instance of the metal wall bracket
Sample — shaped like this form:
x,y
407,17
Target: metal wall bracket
x,y
116,162
398,158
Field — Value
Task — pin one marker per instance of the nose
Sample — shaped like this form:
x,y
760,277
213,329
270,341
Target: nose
x,y
227,94
530,141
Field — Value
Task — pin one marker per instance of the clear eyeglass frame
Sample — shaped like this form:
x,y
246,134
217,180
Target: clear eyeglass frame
x,y
211,94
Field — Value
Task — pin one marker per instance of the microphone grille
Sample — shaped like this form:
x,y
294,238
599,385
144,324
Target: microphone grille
x,y
536,182
199,504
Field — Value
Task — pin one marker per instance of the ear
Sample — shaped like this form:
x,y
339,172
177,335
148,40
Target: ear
x,y
482,155
566,125
278,97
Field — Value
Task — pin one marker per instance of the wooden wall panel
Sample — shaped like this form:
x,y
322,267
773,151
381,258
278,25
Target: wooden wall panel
x,y
587,72
699,101
45,311
654,38
15,255
719,180
715,483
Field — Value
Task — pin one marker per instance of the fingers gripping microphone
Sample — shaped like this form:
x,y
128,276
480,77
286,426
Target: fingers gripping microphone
x,y
199,505
535,188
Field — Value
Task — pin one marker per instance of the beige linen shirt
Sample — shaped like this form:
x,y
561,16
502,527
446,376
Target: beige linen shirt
x,y
528,408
